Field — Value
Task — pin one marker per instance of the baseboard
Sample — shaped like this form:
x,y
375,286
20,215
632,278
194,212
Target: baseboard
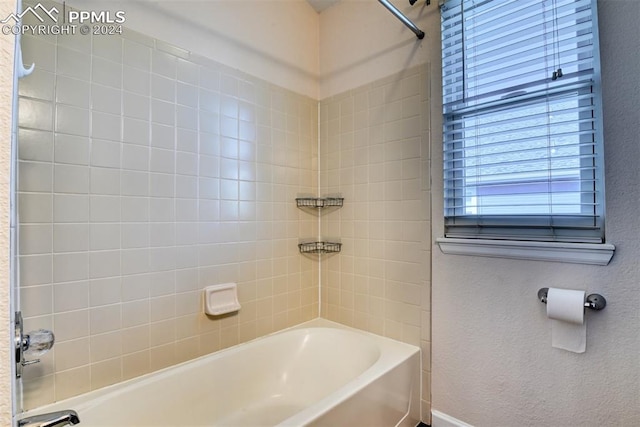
x,y
440,419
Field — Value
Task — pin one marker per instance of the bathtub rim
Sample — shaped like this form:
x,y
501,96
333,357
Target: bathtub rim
x,y
396,350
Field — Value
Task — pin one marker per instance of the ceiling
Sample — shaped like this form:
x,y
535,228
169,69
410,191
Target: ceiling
x,y
320,5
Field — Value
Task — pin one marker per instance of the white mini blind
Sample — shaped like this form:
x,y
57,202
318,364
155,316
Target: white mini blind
x,y
522,120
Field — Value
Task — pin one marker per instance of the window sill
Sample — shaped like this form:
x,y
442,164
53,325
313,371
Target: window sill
x,y
578,253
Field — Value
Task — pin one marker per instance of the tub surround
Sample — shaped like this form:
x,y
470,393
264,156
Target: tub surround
x,y
374,152
146,174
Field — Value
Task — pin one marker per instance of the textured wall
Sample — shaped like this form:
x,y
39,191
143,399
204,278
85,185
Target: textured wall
x,y
6,87
493,364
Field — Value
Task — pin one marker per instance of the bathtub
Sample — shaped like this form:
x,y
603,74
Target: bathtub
x,y
318,373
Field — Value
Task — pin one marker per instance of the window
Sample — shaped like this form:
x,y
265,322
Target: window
x,y
522,121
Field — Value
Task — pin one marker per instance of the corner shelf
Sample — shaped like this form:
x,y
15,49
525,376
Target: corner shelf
x,y
319,247
319,202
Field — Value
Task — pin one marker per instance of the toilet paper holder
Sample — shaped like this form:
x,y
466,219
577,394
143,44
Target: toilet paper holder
x,y
593,301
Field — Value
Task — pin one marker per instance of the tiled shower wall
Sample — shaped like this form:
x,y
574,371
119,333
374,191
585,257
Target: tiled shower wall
x,y
146,174
374,151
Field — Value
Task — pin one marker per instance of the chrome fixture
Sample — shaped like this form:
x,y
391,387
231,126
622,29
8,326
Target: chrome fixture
x,y
52,419
34,344
396,12
593,301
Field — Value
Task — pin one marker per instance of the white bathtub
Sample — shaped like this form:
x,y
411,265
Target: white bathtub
x,y
319,373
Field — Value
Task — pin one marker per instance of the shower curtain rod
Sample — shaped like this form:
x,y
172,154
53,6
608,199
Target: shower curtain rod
x,y
406,21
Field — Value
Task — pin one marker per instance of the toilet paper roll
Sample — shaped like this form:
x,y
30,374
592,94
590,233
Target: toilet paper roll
x,y
565,308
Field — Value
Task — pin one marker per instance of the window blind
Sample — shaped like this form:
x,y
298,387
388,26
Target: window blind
x,y
522,120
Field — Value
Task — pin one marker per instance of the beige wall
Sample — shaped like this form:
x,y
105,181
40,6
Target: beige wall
x,y
6,88
362,42
493,364
276,41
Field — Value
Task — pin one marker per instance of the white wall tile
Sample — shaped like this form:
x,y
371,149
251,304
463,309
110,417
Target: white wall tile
x,y
135,131
107,47
136,55
70,266
161,209
187,95
35,114
73,63
40,85
104,208
135,209
163,112
163,64
71,325
105,291
186,117
36,300
36,238
105,153
209,78
136,80
71,179
105,319
162,161
70,237
135,261
106,99
161,185
104,236
104,264
163,88
70,208
136,106
36,208
35,145
187,72
106,126
70,296
135,157
162,136
71,149
186,163
134,183
106,72
36,269
105,181
135,235
72,120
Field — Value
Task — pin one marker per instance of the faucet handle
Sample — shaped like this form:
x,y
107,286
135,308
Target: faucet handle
x,y
37,343
33,344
